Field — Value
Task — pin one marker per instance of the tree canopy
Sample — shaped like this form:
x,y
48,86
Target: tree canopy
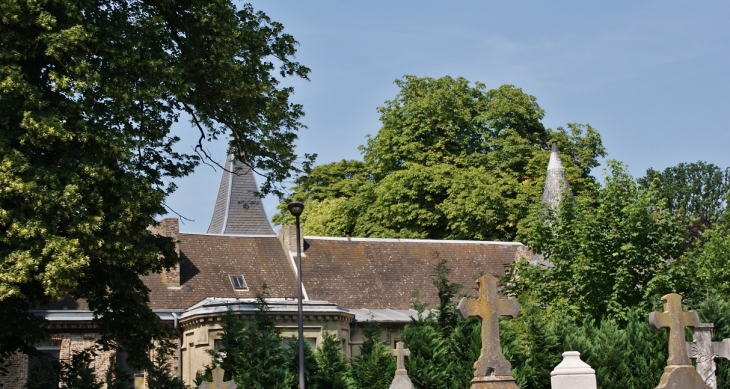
x,y
699,190
90,91
608,254
452,160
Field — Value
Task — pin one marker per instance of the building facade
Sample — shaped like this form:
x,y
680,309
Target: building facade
x,y
346,281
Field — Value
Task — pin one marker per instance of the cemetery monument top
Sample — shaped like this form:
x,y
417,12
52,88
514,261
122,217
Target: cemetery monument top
x,y
679,373
401,379
492,369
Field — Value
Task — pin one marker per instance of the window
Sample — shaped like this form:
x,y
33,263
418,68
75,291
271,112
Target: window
x,y
127,373
45,368
239,283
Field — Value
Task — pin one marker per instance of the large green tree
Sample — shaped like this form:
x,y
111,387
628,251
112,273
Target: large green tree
x,y
699,190
453,160
609,253
89,91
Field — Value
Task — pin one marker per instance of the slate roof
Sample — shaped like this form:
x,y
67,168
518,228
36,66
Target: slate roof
x,y
209,261
555,183
384,273
238,210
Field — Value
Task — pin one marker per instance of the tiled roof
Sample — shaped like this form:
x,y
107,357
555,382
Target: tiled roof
x,y
384,273
238,210
209,261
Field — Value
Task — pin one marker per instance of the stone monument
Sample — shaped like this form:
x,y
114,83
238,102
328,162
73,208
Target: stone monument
x,y
704,351
218,383
572,373
401,379
492,369
679,373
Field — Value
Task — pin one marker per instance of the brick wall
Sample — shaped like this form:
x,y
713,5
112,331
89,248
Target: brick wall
x,y
170,227
17,366
70,343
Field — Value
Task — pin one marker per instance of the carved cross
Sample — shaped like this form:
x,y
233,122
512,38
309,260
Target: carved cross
x,y
400,353
489,307
675,320
218,383
705,351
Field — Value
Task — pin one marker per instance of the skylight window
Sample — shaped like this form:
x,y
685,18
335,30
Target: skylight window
x,y
239,283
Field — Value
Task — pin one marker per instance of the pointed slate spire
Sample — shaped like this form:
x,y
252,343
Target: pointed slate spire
x,y
555,183
238,210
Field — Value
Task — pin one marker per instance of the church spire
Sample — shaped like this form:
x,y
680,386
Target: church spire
x,y
238,210
555,183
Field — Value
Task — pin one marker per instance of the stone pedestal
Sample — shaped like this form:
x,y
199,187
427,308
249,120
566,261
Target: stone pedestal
x,y
572,373
681,377
401,380
494,382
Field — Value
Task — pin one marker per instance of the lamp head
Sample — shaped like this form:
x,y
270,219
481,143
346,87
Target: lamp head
x,y
296,208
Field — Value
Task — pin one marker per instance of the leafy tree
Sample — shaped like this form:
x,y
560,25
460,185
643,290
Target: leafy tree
x,y
608,253
706,270
89,94
699,190
374,367
417,179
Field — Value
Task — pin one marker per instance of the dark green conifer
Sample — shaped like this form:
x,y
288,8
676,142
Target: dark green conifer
x,y
374,368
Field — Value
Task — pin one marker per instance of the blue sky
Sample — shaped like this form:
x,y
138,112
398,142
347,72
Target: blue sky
x,y
653,77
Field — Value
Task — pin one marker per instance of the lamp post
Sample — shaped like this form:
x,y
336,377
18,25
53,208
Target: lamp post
x,y
296,208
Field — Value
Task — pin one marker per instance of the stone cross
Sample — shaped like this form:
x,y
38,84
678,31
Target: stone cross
x,y
400,353
704,351
679,373
674,319
218,383
401,379
489,307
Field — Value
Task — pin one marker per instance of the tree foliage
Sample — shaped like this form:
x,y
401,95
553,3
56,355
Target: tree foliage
x,y
90,91
452,160
609,253
374,367
332,368
699,190
252,353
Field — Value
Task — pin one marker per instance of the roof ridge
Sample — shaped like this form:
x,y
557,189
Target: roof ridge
x,y
407,240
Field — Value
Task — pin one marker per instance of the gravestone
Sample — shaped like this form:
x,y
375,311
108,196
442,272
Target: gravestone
x,y
218,383
679,373
401,379
492,369
704,351
572,373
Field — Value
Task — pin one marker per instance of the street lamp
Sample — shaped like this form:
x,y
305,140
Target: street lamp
x,y
296,208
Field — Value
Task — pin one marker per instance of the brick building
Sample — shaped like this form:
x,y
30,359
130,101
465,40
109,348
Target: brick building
x,y
347,281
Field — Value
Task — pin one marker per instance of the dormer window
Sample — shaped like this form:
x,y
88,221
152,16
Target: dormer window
x,y
239,283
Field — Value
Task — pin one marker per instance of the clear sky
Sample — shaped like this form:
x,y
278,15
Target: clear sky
x,y
653,77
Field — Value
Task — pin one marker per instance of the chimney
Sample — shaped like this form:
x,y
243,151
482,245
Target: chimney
x,y
170,227
288,238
